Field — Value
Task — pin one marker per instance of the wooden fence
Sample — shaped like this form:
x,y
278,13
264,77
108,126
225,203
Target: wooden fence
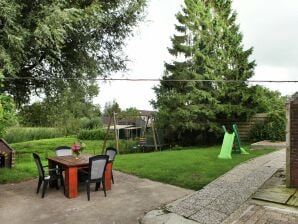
x,y
245,127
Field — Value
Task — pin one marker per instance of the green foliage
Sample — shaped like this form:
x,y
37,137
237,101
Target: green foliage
x,y
208,47
12,37
111,107
94,134
69,111
273,128
34,115
267,100
66,44
127,146
272,103
231,63
22,134
7,113
130,115
90,123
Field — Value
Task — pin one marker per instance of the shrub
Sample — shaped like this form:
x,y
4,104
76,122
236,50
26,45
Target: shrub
x,y
22,134
90,123
7,113
273,128
125,146
95,134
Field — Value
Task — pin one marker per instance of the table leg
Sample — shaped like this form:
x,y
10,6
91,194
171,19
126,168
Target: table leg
x,y
71,182
108,176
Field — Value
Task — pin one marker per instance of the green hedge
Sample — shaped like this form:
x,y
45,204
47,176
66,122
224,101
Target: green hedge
x,y
273,128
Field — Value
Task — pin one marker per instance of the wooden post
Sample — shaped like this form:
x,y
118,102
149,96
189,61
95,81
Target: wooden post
x,y
288,145
145,129
292,142
153,134
106,136
116,134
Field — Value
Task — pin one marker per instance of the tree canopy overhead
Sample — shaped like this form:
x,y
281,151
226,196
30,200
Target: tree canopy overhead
x,y
49,45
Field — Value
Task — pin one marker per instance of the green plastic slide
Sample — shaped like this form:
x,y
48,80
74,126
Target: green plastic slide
x,y
231,143
227,146
238,148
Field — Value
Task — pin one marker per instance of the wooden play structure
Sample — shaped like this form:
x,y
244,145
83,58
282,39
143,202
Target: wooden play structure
x,y
149,137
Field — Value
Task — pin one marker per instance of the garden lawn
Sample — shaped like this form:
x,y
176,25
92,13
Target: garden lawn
x,y
191,168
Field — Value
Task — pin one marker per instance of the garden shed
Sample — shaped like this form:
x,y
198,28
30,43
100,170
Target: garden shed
x,y
7,155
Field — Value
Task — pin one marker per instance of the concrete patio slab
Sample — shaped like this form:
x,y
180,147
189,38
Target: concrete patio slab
x,y
275,190
128,200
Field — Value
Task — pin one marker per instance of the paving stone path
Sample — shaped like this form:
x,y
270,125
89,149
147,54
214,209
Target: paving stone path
x,y
254,212
219,199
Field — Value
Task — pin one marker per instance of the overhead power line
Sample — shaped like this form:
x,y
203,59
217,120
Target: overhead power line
x,y
149,80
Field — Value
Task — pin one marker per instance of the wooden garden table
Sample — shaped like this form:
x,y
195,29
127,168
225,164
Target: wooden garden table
x,y
71,165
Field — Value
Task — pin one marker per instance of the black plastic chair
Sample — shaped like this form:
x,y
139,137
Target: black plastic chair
x,y
52,176
96,173
111,152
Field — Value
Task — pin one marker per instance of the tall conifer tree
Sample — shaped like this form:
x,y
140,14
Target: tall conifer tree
x,y
232,66
207,46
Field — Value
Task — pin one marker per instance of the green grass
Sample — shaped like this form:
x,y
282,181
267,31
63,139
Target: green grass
x,y
190,168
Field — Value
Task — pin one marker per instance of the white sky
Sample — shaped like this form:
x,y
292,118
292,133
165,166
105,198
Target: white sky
x,y
270,27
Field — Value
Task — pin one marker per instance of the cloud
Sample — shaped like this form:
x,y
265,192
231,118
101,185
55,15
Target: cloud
x,y
270,28
278,74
